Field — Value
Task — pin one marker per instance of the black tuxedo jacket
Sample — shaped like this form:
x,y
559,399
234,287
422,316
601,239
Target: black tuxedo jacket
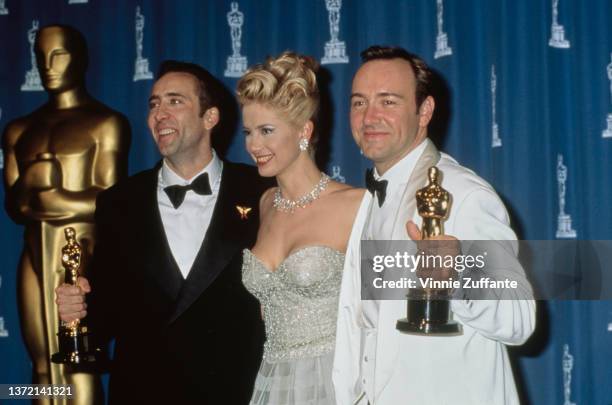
x,y
177,341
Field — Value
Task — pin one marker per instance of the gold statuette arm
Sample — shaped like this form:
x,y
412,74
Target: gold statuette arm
x,y
13,188
108,165
60,204
38,192
112,158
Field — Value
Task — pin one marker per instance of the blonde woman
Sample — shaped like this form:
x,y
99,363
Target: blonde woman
x,y
295,267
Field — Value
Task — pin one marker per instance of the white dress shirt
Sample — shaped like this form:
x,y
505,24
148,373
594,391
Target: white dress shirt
x,y
186,226
379,226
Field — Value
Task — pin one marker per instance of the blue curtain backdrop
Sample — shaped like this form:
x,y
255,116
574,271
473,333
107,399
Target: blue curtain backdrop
x,y
506,78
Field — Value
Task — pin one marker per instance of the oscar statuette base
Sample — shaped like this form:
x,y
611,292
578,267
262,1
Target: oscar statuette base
x,y
75,348
429,317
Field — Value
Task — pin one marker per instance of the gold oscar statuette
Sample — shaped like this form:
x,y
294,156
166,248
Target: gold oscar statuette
x,y
429,309
75,340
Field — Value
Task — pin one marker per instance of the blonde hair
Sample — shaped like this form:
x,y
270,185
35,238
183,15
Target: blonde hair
x,y
286,83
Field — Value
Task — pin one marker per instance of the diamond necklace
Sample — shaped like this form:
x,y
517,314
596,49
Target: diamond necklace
x,y
287,205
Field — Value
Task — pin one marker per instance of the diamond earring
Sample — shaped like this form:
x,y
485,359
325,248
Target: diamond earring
x,y
303,144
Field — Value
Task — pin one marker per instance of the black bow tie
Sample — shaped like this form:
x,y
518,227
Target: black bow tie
x,y
378,186
200,185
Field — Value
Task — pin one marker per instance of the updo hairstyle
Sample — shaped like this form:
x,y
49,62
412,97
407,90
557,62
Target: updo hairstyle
x,y
286,83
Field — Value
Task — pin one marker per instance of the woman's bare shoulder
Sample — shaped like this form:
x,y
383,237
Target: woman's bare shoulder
x,y
347,193
345,200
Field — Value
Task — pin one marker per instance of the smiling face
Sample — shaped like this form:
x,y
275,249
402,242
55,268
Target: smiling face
x,y
181,133
385,121
271,141
58,61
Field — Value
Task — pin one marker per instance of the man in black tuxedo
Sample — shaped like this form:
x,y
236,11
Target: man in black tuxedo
x,y
166,278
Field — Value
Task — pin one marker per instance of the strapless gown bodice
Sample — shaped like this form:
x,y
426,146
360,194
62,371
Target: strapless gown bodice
x,y
299,301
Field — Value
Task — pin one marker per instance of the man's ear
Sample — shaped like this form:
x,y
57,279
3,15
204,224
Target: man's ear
x,y
426,111
211,118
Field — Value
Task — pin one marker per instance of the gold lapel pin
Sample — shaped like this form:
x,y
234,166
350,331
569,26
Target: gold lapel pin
x,y
243,211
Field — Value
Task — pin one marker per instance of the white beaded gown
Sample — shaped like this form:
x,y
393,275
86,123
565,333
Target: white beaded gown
x,y
300,307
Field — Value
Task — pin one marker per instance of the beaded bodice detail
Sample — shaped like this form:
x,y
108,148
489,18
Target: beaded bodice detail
x,y
299,301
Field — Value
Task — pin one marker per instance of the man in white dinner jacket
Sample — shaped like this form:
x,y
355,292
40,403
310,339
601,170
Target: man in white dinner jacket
x,y
374,363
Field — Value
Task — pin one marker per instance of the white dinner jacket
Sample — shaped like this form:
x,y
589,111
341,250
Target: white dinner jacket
x,y
469,369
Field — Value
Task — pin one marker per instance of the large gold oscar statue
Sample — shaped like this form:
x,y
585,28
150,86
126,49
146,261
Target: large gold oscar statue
x,y
56,160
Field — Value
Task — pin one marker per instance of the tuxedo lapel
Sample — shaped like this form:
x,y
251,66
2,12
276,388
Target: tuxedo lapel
x,y
222,242
157,256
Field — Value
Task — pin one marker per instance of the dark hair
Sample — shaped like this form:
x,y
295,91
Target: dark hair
x,y
422,72
209,86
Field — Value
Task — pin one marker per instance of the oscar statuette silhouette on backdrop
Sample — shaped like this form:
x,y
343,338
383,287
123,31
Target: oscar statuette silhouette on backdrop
x,y
57,159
